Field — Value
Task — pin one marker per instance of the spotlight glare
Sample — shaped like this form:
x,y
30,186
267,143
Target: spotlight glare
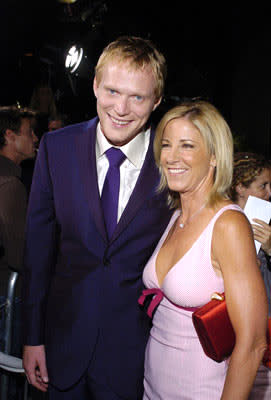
x,y
73,58
67,1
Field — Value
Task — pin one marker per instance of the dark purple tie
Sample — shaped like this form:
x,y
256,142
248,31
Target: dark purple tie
x,y
110,193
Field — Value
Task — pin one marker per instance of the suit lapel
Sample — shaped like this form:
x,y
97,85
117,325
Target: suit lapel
x,y
145,185
89,175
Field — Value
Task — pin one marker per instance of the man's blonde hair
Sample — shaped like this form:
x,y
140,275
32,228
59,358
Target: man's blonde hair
x,y
140,54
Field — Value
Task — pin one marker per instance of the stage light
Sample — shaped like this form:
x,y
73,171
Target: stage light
x,y
73,58
67,1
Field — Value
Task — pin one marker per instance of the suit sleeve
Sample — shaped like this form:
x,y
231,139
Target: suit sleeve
x,y
40,249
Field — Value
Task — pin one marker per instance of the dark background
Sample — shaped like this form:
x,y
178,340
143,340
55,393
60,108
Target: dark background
x,y
219,52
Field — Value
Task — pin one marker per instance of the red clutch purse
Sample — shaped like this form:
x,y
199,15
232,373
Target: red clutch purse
x,y
215,331
214,328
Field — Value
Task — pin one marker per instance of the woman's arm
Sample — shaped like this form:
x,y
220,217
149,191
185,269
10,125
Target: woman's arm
x,y
233,251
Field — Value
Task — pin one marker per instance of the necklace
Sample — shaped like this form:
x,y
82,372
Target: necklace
x,y
182,225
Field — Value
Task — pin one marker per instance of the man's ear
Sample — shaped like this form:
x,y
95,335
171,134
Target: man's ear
x,y
156,104
10,136
95,86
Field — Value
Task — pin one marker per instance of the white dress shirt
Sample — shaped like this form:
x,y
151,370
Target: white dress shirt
x,y
135,152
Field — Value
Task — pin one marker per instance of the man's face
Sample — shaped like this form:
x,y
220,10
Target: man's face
x,y
25,142
54,125
125,100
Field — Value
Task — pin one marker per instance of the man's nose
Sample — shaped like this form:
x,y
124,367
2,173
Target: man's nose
x,y
122,106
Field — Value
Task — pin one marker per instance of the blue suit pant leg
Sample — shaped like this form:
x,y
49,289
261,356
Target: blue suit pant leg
x,y
96,380
88,388
76,392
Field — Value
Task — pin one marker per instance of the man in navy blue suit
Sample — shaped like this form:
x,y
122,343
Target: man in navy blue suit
x,y
94,219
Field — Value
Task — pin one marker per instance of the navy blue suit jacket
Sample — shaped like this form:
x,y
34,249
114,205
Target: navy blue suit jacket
x,y
81,288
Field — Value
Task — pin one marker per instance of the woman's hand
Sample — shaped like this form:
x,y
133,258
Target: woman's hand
x,y
262,233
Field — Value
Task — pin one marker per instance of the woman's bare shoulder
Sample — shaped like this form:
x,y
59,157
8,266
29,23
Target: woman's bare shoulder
x,y
231,219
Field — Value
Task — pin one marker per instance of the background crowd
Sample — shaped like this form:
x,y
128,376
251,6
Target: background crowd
x,y
24,129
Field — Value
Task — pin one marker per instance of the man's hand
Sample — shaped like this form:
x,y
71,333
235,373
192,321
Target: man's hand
x,y
34,363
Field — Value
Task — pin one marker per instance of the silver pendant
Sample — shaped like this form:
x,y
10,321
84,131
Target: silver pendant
x,y
181,226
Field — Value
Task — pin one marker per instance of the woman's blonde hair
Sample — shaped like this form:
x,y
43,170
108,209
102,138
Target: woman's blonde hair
x,y
217,138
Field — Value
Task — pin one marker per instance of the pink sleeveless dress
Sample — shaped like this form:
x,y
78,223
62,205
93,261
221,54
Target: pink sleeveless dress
x,y
176,367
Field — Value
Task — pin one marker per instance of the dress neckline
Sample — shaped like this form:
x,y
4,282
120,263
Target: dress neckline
x,y
165,235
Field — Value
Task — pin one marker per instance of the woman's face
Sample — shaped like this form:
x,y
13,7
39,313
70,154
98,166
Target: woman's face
x,y
260,187
185,161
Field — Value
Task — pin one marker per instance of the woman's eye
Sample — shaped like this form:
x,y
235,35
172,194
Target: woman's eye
x,y
138,98
188,146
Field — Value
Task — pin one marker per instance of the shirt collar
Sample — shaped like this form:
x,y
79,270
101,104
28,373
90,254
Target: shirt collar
x,y
132,150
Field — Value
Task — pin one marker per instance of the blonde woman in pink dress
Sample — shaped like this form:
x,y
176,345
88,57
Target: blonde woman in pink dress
x,y
207,247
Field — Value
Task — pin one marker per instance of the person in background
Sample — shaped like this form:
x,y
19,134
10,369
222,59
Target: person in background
x,y
17,143
43,103
94,219
207,247
252,177
56,121
42,100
